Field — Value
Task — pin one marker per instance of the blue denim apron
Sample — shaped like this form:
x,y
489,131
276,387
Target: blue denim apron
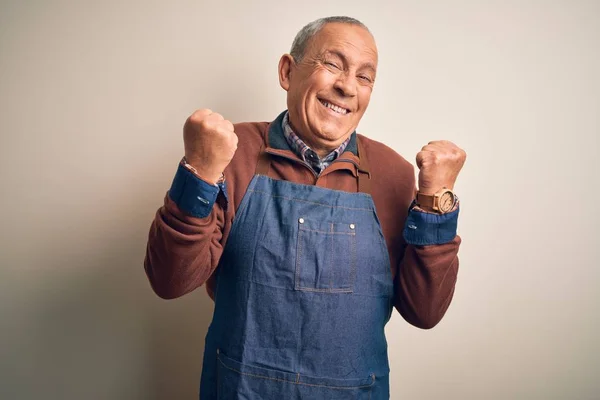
x,y
304,290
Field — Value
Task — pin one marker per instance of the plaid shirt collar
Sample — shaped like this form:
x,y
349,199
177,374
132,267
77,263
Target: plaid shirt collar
x,y
307,154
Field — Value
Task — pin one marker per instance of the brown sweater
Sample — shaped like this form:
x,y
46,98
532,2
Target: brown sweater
x,y
184,251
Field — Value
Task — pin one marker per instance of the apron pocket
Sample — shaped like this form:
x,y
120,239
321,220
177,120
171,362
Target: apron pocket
x,y
325,256
237,380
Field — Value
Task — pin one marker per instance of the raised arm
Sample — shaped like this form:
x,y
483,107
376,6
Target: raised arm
x,y
185,240
428,271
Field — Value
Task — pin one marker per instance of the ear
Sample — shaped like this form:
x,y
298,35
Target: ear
x,y
286,64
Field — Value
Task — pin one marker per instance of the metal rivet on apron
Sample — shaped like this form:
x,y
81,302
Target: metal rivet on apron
x,y
301,220
351,226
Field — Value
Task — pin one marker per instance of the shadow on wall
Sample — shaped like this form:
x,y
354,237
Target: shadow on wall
x,y
92,328
89,326
176,335
176,329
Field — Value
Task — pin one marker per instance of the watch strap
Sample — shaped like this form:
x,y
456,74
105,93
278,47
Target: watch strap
x,y
426,200
195,171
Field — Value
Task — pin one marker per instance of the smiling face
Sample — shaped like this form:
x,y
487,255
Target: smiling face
x,y
329,90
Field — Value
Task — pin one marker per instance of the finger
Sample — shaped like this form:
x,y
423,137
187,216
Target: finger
x,y
200,114
430,147
224,131
228,125
421,157
442,143
438,145
234,140
214,122
437,142
440,148
426,158
217,117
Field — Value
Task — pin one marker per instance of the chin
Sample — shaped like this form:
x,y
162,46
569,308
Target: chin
x,y
328,129
335,130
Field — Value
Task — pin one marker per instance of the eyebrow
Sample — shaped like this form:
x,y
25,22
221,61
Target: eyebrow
x,y
343,57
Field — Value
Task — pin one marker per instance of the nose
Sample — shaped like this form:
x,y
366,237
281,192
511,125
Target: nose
x,y
346,85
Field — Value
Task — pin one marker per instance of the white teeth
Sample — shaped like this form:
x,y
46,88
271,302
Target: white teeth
x,y
335,108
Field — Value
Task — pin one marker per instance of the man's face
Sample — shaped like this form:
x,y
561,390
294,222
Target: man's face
x,y
330,88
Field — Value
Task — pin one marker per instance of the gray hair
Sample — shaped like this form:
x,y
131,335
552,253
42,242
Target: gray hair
x,y
309,31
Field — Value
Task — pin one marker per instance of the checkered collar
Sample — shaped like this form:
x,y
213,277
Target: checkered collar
x,y
307,154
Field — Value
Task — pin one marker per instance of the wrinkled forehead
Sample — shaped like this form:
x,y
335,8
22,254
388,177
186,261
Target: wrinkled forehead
x,y
350,41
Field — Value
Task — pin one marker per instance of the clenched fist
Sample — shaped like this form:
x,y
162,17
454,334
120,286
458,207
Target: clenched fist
x,y
439,163
210,143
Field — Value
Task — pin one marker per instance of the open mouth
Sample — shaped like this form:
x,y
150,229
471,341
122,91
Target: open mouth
x,y
335,108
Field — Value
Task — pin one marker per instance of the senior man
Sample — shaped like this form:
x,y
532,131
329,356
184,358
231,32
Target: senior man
x,y
306,233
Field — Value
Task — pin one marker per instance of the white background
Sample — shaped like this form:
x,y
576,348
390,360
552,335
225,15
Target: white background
x,y
93,96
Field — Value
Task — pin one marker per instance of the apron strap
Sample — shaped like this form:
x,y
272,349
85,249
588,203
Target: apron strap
x,y
364,175
264,162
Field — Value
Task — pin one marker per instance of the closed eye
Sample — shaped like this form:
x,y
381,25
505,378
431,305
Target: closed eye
x,y
332,64
365,78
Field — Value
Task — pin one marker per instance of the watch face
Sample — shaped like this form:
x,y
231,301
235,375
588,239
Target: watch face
x,y
446,202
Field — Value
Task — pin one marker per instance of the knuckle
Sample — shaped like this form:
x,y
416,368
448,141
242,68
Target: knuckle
x,y
205,124
222,130
225,124
200,114
232,141
193,119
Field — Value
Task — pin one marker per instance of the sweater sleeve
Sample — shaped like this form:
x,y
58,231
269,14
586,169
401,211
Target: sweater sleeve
x,y
425,282
185,238
427,268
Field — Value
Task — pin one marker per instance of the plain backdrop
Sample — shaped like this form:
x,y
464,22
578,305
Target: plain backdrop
x,y
93,96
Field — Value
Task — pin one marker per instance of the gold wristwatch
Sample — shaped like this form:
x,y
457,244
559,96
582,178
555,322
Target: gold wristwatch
x,y
441,202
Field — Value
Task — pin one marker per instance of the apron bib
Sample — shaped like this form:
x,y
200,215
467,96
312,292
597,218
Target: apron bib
x,y
304,291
